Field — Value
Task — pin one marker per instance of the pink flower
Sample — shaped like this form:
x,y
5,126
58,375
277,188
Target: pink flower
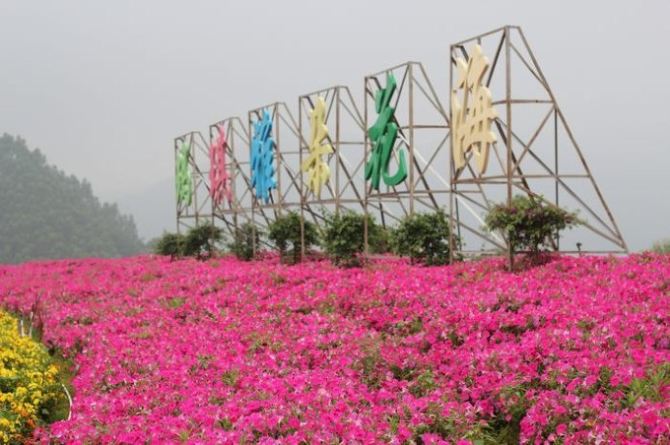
x,y
227,352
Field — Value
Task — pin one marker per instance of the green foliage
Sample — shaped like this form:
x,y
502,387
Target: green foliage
x,y
231,377
171,244
423,237
528,224
201,241
662,246
371,366
343,237
423,385
649,388
32,382
284,232
47,214
242,245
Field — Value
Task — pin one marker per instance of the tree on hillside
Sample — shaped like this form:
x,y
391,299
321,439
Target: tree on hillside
x,y
45,213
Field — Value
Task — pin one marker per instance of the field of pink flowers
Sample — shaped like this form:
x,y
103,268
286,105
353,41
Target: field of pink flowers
x,y
575,351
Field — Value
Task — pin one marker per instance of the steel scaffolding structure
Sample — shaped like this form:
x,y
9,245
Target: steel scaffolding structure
x,y
200,208
529,151
328,157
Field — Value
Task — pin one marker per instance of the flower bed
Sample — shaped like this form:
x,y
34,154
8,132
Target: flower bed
x,y
575,351
29,387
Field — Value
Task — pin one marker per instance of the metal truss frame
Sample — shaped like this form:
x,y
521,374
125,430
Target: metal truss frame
x,y
237,210
201,204
511,149
340,108
424,188
426,136
287,195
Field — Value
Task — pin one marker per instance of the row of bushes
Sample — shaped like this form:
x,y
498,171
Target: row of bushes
x,y
422,237
528,224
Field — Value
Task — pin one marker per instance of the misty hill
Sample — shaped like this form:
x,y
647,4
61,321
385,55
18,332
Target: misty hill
x,y
45,213
153,208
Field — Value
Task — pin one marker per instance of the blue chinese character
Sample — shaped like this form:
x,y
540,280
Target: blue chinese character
x,y
262,158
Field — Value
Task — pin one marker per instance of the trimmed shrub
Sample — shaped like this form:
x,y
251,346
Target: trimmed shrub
x,y
171,244
423,237
343,238
242,245
201,241
528,224
284,232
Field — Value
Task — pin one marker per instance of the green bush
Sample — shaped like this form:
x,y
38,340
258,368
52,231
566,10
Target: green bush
x,y
379,239
343,238
242,245
423,237
662,246
528,224
171,244
284,232
201,241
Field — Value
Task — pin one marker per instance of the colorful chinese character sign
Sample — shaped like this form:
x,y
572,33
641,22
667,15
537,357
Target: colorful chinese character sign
x,y
218,174
183,176
383,135
315,167
472,116
262,158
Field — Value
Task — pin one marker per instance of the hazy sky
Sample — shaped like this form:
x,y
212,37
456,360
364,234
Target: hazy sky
x,y
103,87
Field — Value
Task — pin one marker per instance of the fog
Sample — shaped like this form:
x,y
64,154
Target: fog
x,y
102,88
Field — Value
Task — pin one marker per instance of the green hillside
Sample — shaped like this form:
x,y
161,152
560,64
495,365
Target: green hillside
x,y
45,213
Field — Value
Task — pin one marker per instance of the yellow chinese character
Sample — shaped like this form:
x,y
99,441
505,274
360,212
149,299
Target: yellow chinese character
x,y
316,168
472,117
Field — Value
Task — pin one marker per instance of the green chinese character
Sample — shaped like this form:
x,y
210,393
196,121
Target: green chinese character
x,y
183,176
383,135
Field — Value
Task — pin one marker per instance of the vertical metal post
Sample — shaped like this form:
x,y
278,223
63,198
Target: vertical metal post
x,y
251,175
411,139
194,174
508,107
176,160
213,205
302,183
279,161
338,157
452,172
233,172
365,161
558,246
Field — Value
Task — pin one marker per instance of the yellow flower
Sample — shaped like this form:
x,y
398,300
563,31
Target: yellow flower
x,y
26,366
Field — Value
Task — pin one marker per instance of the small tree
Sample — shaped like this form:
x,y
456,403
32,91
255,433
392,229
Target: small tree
x,y
201,240
343,238
242,245
284,232
528,224
423,237
171,244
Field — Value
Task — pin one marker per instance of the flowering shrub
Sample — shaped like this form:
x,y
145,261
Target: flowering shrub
x,y
528,223
225,351
29,386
